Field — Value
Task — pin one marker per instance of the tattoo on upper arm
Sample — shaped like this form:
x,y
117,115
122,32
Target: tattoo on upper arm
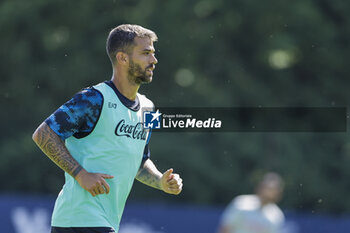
x,y
53,146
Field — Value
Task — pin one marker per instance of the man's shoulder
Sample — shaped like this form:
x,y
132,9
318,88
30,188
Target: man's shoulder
x,y
273,213
97,86
88,96
90,91
142,96
144,101
246,202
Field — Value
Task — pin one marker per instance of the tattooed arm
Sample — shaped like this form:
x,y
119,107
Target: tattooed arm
x,y
168,182
53,146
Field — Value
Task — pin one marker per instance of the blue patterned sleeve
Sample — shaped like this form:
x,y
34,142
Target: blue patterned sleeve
x,y
78,116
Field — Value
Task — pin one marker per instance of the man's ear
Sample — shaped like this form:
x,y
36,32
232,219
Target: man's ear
x,y
122,58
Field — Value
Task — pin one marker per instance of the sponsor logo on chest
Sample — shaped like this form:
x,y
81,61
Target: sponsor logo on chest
x,y
131,131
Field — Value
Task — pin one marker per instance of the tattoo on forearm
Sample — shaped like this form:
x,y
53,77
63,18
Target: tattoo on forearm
x,y
147,176
76,171
54,148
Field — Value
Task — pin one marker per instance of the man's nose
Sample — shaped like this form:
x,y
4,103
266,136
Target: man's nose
x,y
154,60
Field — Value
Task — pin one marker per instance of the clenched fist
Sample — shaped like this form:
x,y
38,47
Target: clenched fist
x,y
171,182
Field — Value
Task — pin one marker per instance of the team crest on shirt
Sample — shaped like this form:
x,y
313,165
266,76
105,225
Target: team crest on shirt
x,y
136,131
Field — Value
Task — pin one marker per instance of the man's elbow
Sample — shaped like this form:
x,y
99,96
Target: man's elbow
x,y
35,135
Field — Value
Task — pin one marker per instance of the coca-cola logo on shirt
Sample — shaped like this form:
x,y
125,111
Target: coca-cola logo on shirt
x,y
131,131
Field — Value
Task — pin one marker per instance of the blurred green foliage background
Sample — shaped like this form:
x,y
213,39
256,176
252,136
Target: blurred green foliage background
x,y
211,53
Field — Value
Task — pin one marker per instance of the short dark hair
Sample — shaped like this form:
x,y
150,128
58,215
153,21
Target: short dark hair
x,y
274,178
121,39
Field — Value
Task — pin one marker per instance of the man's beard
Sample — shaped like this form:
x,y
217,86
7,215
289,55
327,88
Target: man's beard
x,y
137,75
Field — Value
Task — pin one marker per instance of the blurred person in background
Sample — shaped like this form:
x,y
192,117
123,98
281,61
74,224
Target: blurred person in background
x,y
256,213
98,139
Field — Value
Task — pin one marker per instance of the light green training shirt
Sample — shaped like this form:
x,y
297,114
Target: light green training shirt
x,y
115,147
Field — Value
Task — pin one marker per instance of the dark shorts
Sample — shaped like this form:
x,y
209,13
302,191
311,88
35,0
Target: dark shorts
x,y
82,230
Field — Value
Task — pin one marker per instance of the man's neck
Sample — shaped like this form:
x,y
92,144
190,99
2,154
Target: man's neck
x,y
263,201
125,87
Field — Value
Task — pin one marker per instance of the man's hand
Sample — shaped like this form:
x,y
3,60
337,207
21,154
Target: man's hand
x,y
171,182
168,182
94,183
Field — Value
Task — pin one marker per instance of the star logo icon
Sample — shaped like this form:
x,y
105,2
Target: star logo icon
x,y
156,115
152,120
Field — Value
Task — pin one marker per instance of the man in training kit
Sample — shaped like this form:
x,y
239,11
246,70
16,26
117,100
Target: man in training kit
x,y
98,139
256,213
